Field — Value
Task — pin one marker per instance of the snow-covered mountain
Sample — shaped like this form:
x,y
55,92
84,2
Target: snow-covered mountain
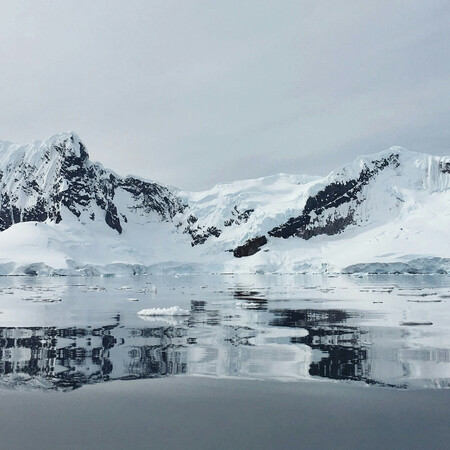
x,y
39,181
59,210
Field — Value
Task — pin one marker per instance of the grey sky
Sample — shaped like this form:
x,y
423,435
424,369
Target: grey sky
x,y
192,93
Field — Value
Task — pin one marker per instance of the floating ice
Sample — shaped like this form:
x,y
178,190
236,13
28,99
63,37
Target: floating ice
x,y
171,311
38,299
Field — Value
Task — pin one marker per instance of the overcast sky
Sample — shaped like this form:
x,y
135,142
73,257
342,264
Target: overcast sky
x,y
192,93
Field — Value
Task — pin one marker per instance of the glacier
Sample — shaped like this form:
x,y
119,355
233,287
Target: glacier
x,y
62,214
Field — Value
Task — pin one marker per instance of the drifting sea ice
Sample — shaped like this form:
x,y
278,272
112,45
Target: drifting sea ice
x,y
171,311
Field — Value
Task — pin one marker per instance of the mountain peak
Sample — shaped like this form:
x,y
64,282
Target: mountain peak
x,y
67,144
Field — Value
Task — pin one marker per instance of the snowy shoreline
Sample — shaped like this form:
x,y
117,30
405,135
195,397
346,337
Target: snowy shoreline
x,y
417,266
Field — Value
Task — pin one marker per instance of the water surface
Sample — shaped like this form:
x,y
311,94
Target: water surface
x,y
63,333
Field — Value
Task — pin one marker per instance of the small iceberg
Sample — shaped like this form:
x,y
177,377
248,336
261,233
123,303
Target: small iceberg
x,y
172,321
172,311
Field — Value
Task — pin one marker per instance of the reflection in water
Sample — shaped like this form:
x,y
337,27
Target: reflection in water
x,y
67,358
345,348
244,339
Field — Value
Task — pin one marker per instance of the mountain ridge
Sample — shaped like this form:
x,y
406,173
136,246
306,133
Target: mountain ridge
x,y
58,173
56,184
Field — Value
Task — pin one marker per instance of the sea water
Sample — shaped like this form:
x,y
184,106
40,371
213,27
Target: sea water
x,y
61,333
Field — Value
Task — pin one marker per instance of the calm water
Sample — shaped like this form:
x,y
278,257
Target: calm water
x,y
63,333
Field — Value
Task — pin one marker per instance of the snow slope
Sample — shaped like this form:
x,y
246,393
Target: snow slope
x,y
61,213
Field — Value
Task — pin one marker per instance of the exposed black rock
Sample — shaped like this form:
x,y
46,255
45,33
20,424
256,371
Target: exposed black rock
x,y
332,196
250,247
198,233
213,231
152,197
238,216
112,219
192,219
444,167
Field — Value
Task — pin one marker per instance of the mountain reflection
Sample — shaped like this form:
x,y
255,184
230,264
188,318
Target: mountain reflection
x,y
250,341
68,358
344,353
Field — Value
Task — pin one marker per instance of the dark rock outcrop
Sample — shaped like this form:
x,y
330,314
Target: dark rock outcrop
x,y
238,216
198,233
250,247
444,167
315,218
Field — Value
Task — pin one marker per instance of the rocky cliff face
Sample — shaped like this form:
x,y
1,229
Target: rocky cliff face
x,y
38,182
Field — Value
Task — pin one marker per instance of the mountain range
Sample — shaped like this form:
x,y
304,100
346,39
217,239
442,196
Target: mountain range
x,y
62,214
